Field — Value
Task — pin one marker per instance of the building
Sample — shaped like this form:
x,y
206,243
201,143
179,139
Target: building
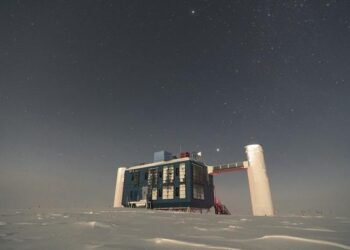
x,y
185,182
168,183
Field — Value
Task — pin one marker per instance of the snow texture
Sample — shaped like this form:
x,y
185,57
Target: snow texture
x,y
150,229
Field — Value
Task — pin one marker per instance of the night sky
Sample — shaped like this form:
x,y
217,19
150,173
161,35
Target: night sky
x,y
87,86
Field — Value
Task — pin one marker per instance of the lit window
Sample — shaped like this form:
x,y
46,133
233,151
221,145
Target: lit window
x,y
182,191
168,174
152,177
154,193
168,192
182,172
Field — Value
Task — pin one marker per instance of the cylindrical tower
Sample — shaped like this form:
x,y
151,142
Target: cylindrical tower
x,y
119,187
259,186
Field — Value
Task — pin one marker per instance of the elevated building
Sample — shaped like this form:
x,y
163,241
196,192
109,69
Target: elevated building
x,y
185,182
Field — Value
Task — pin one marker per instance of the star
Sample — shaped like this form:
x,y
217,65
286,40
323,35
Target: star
x,y
193,12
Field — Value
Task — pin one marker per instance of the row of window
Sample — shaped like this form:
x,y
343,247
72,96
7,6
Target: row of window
x,y
167,174
169,192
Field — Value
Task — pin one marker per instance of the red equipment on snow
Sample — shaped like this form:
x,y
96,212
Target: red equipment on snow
x,y
220,208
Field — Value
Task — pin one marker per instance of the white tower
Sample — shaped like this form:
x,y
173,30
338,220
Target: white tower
x,y
259,186
119,187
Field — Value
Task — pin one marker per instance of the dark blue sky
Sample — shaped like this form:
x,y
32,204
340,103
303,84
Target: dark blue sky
x,y
87,86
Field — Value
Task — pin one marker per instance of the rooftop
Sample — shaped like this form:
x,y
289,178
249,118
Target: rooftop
x,y
154,164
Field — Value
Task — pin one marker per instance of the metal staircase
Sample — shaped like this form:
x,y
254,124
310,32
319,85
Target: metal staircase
x,y
220,208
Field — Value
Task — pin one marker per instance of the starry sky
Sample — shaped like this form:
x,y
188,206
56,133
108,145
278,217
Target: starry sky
x,y
87,86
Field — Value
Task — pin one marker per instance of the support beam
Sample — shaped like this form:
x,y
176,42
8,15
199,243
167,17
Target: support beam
x,y
259,186
119,187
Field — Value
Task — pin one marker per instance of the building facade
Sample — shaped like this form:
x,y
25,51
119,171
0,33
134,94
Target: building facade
x,y
176,183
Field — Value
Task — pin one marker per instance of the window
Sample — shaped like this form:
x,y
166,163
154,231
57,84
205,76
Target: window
x,y
154,194
168,174
198,192
176,192
182,191
152,177
168,192
182,172
146,175
198,174
132,176
136,178
176,171
144,193
160,193
160,174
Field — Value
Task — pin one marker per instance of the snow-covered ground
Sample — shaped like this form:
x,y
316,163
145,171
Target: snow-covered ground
x,y
149,229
